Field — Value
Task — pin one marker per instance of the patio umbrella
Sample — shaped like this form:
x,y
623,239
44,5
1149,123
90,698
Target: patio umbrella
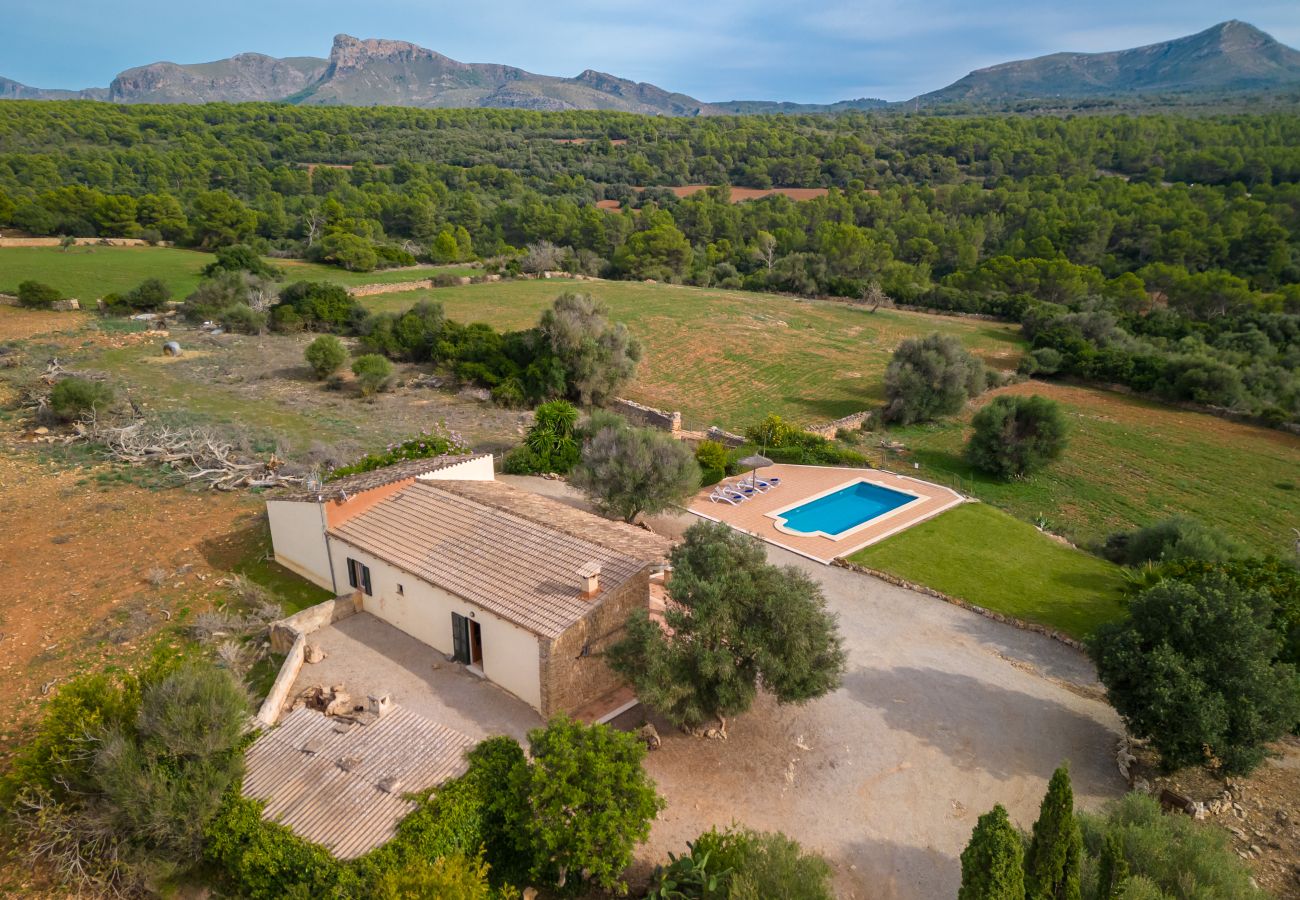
x,y
755,462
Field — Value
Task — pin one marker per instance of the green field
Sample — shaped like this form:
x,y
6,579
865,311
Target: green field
x,y
986,557
91,272
729,358
1132,462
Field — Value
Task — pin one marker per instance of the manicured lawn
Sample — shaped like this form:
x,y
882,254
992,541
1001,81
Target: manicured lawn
x,y
986,557
731,357
90,272
1131,462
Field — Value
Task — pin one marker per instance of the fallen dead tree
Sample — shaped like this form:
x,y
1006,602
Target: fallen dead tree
x,y
197,454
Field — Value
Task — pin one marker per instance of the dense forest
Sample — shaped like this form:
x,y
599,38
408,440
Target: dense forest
x,y
1161,252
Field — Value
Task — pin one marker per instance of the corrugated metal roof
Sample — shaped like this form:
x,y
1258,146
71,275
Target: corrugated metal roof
x,y
347,811
368,481
523,571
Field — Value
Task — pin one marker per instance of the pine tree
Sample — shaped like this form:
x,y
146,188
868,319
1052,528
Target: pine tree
x,y
1112,868
1056,849
991,864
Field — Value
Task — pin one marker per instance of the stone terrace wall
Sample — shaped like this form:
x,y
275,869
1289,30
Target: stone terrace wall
x,y
289,636
571,680
670,422
726,438
828,429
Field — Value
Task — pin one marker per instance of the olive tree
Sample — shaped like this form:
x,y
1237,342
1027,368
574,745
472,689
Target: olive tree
x,y
598,356
736,622
1016,436
627,472
1194,669
930,377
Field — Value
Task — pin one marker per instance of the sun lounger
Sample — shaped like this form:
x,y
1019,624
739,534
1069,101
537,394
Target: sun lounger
x,y
768,483
724,494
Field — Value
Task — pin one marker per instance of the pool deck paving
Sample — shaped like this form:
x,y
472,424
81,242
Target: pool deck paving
x,y
758,513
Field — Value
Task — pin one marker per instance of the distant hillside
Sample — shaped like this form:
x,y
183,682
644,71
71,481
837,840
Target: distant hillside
x,y
771,107
372,73
1229,57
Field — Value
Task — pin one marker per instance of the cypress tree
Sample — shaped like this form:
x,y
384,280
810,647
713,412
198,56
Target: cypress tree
x,y
1112,868
991,864
1056,849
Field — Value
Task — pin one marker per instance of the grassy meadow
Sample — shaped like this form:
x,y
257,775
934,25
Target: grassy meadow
x,y
729,358
986,557
91,272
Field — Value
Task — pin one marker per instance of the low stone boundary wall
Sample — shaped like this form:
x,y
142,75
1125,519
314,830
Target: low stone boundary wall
x,y
289,636
670,422
964,604
725,438
829,429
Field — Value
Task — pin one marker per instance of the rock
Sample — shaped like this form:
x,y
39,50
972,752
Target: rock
x,y
40,430
530,893
313,654
339,705
68,305
650,735
1142,786
1198,809
476,393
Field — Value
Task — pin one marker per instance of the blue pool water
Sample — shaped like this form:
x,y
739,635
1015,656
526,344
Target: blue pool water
x,y
844,509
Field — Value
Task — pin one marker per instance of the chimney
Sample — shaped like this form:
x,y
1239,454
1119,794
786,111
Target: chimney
x,y
590,575
379,705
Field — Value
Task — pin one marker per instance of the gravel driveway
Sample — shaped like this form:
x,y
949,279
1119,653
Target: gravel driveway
x,y
942,714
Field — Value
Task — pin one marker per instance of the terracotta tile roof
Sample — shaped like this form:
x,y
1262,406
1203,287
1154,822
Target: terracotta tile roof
x,y
637,543
347,811
366,481
524,571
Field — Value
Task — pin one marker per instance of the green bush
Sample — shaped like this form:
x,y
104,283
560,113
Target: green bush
x,y
427,444
243,319
551,444
149,294
1178,538
374,373
712,458
322,306
1194,669
35,295
241,258
1016,436
326,355
785,443
409,335
73,397
743,865
455,877
1161,856
265,860
627,472
930,377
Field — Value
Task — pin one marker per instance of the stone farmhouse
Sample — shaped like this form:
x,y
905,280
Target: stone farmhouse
x,y
524,590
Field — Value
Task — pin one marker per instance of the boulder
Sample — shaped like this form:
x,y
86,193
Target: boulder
x,y
650,736
68,305
314,653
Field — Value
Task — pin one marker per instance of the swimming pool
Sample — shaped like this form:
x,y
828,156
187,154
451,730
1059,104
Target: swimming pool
x,y
843,510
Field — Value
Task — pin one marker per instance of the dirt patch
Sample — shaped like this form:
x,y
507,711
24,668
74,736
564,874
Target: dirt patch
x,y
90,565
17,323
1260,813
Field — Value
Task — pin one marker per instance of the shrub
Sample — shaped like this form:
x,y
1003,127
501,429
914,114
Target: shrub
x,y
783,442
1016,436
712,458
409,335
326,355
743,864
627,472
1178,538
71,398
322,306
265,860
1055,853
286,320
454,877
35,295
1194,669
427,444
374,373
149,294
551,444
241,258
930,377
992,865
216,296
242,319
1166,855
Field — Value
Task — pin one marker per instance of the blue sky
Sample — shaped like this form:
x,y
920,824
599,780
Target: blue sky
x,y
711,49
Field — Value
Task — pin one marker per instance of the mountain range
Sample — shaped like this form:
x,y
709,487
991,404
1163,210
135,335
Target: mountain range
x,y
1229,57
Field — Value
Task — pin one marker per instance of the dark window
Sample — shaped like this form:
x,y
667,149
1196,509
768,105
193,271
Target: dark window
x,y
359,575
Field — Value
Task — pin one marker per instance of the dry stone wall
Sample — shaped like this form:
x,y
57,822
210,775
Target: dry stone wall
x,y
670,422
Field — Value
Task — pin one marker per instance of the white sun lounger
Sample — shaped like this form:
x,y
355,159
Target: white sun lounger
x,y
723,493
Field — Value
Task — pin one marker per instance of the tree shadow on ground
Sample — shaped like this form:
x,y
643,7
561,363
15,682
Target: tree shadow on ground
x,y
978,725
884,870
1048,657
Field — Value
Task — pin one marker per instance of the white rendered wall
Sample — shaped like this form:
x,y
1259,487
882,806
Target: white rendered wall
x,y
298,539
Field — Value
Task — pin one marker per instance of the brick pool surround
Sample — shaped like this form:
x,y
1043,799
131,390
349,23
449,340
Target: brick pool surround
x,y
758,514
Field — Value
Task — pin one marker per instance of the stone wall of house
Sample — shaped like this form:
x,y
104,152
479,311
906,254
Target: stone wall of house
x,y
670,422
571,678
828,429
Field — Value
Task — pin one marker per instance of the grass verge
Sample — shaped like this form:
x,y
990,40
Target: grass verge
x,y
984,556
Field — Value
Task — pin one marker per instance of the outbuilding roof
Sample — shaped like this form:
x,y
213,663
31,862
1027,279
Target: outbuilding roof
x,y
375,478
343,785
520,569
